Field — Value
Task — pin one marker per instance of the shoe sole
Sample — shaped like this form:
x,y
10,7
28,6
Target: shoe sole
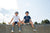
x,y
19,31
12,32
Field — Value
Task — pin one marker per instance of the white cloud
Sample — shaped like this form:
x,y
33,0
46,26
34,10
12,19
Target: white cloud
x,y
8,4
6,18
1,17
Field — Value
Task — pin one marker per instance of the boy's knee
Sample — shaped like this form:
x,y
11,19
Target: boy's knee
x,y
13,23
18,23
31,22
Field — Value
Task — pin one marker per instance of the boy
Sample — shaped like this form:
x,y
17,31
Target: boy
x,y
16,21
27,19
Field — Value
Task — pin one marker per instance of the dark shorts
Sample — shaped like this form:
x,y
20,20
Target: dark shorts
x,y
26,21
15,22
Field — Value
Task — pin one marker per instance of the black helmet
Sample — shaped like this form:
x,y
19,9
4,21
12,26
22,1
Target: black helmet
x,y
16,12
27,12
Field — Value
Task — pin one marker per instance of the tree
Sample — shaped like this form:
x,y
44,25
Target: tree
x,y
35,23
3,23
45,21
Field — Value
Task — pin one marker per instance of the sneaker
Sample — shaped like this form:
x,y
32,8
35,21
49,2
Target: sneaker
x,y
34,30
12,31
19,30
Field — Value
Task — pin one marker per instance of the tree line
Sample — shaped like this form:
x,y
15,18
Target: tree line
x,y
46,21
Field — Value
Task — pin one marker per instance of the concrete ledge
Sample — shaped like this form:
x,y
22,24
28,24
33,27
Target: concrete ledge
x,y
45,28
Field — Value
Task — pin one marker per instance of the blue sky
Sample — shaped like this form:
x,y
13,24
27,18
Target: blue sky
x,y
39,9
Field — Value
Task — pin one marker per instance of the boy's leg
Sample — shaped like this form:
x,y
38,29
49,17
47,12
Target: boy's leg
x,y
18,24
32,24
13,26
22,22
19,27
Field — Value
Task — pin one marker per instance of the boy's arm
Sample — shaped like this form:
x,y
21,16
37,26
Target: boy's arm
x,y
19,20
23,20
11,20
30,20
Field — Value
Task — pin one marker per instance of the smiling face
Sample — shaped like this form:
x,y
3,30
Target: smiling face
x,y
16,14
27,14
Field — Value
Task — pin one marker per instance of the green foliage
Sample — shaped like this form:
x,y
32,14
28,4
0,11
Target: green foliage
x,y
0,23
35,23
45,21
3,23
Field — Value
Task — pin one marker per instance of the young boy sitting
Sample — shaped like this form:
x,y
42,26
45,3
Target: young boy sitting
x,y
16,21
27,19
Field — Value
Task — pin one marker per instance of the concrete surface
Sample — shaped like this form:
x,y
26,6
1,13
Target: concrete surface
x,y
45,28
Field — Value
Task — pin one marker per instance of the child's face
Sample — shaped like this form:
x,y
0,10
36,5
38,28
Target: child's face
x,y
26,14
16,14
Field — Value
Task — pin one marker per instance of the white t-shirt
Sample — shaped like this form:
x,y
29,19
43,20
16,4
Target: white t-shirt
x,y
16,18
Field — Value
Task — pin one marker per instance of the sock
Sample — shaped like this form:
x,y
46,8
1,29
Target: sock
x,y
34,27
19,28
12,28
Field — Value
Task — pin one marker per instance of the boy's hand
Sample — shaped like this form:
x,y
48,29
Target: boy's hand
x,y
9,23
